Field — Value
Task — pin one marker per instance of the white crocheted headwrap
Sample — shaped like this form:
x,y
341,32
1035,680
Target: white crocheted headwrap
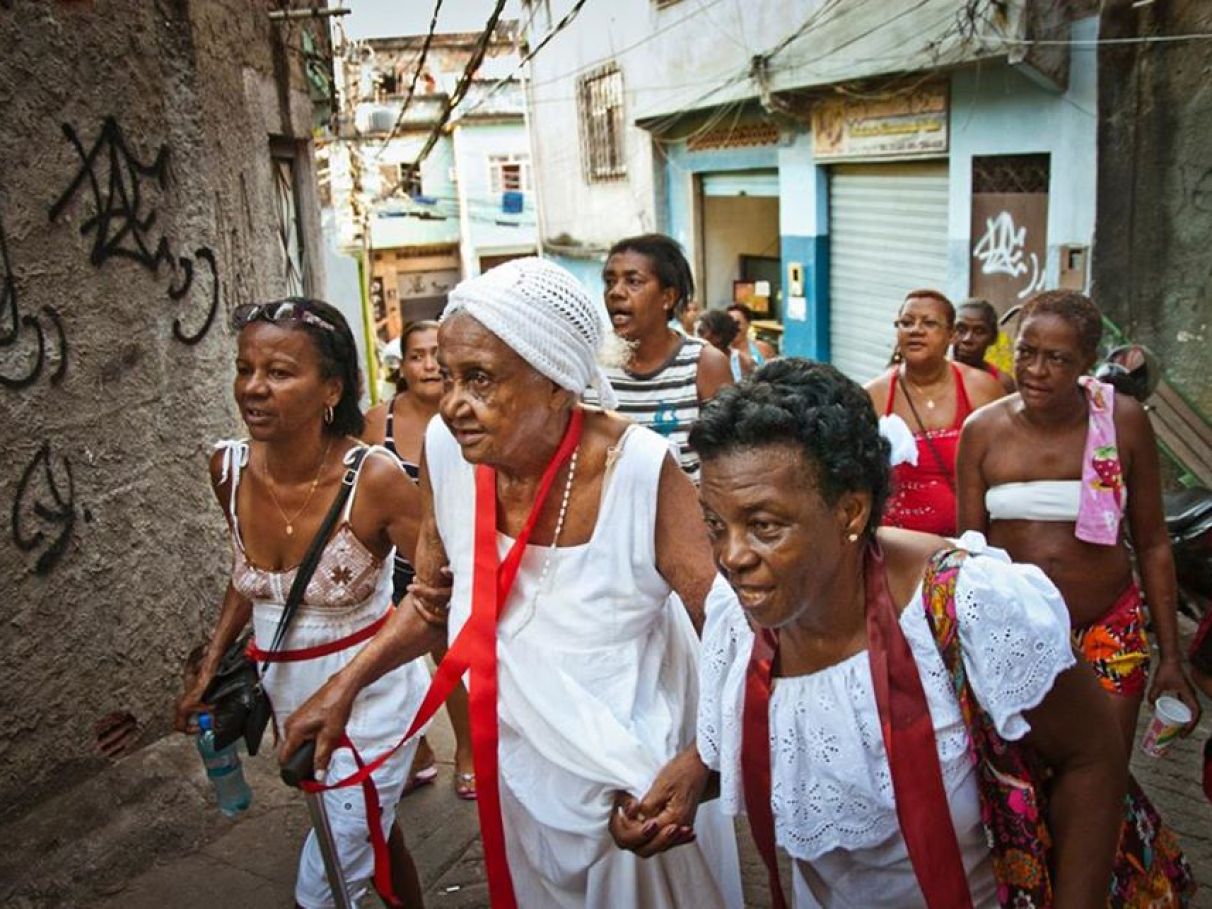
x,y
546,316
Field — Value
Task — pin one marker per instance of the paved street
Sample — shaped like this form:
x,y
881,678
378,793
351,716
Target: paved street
x,y
250,863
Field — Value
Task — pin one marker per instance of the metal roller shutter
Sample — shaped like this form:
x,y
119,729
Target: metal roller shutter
x,y
887,236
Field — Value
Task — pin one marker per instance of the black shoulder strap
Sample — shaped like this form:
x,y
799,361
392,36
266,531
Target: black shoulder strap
x,y
307,567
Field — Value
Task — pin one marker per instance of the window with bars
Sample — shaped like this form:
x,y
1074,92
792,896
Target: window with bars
x,y
289,228
508,173
1010,173
600,103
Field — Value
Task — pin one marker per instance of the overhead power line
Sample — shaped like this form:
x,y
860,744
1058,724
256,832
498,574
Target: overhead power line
x,y
416,74
560,26
460,91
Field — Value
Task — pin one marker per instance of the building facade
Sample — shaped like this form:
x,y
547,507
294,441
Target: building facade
x,y
819,159
468,203
157,172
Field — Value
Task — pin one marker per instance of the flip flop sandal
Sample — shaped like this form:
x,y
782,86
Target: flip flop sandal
x,y
419,779
465,786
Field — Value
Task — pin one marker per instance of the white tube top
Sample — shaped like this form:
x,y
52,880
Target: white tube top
x,y
1037,500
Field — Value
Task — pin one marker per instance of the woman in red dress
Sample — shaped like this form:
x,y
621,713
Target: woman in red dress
x,y
932,396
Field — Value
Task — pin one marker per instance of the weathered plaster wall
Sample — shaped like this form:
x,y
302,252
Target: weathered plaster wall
x,y
137,208
1152,267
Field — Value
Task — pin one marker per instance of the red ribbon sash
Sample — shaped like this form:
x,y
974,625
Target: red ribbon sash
x,y
922,809
908,732
257,655
476,649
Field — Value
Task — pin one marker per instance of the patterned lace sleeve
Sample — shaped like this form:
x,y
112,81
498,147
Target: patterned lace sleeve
x,y
727,640
1014,629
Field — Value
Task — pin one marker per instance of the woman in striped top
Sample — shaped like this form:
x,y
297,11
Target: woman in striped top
x,y
668,376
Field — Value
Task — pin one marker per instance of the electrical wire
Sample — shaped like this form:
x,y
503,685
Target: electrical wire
x,y
594,64
416,74
456,96
1098,42
560,26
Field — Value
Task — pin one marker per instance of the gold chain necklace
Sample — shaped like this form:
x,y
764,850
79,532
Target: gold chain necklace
x,y
920,389
290,521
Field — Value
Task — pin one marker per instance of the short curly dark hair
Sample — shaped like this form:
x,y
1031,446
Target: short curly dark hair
x,y
1075,308
668,261
814,407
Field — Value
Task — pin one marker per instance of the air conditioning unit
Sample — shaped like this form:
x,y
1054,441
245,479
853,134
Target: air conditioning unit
x,y
382,120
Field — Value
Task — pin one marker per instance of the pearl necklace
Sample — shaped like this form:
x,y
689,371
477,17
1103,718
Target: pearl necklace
x,y
572,470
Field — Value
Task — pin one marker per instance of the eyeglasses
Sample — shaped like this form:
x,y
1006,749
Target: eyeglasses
x,y
287,311
906,324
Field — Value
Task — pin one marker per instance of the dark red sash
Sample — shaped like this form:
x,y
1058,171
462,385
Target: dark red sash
x,y
922,809
908,732
755,755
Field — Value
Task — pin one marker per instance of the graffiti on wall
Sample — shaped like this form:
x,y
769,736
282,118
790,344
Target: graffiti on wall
x,y
24,354
1002,250
123,221
51,502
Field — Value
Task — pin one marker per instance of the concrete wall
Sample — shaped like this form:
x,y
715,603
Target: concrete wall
x,y
486,229
1152,269
137,208
997,110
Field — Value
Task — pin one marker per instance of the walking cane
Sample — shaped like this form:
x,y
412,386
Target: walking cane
x,y
299,768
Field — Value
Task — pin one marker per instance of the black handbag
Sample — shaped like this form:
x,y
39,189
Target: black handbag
x,y
237,702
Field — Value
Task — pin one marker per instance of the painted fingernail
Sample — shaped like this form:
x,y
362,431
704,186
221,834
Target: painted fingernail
x,y
649,828
319,774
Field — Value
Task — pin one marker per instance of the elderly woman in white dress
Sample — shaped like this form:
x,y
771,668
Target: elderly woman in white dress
x,y
851,683
566,529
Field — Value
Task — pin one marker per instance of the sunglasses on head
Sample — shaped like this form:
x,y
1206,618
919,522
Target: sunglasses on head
x,y
284,311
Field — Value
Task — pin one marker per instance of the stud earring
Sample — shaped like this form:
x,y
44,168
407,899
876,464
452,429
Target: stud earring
x,y
853,537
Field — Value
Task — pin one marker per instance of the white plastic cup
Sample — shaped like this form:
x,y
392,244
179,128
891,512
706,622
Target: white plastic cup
x,y
1170,716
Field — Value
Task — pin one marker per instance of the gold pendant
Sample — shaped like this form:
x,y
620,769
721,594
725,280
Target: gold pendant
x,y
290,530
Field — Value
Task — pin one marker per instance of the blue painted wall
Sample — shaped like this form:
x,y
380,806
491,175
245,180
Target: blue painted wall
x,y
587,271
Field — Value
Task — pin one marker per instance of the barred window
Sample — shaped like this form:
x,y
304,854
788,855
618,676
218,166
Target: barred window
x,y
600,100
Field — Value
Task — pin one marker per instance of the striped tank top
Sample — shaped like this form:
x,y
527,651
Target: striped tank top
x,y
665,400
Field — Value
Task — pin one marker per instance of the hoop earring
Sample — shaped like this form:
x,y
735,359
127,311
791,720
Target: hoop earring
x,y
328,414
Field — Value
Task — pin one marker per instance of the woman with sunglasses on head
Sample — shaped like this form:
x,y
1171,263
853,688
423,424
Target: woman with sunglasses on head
x,y
929,397
1055,475
399,426
297,388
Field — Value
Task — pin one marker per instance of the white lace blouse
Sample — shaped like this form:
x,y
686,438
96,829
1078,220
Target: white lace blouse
x,y
831,788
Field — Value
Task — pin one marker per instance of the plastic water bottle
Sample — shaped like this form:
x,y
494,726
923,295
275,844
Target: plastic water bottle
x,y
224,770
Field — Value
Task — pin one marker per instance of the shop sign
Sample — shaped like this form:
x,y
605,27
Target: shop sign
x,y
910,124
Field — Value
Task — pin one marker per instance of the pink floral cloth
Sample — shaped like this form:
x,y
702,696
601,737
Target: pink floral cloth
x,y
1101,504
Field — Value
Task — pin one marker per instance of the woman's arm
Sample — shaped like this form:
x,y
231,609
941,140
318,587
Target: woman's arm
x,y
1074,731
664,817
714,373
389,506
970,485
417,625
683,550
1147,526
233,616
981,387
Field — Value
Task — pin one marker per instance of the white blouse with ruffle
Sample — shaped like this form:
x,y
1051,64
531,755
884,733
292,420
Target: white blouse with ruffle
x,y
831,787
